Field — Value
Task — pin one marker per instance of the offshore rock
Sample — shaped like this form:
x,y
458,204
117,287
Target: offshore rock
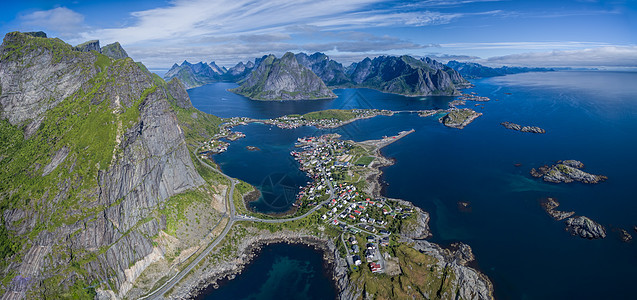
x,y
585,228
459,118
566,171
625,236
550,204
283,79
513,126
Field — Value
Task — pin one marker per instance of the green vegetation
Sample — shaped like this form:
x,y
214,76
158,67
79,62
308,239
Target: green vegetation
x,y
420,277
175,208
365,160
197,126
337,114
7,244
16,44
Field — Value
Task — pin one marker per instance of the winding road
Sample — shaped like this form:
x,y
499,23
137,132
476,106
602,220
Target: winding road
x,y
160,291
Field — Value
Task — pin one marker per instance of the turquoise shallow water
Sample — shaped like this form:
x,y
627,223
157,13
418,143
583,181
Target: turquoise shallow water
x,y
589,116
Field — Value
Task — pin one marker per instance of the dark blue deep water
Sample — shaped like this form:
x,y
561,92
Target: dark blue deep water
x,y
589,116
281,271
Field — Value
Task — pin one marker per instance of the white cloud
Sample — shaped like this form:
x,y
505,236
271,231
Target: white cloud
x,y
60,20
608,56
233,30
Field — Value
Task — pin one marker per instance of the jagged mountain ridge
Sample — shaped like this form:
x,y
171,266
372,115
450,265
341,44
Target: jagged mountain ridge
x,y
91,150
193,75
400,75
475,70
408,76
283,79
330,71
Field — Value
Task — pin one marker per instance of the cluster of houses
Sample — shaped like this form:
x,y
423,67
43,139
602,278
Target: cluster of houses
x,y
213,147
473,97
294,121
371,252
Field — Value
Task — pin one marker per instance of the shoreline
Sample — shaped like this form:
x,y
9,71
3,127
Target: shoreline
x,y
198,284
470,281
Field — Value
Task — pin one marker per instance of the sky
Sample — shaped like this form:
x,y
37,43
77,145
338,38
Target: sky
x,y
557,33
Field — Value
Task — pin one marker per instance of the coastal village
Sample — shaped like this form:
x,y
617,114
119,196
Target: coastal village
x,y
337,168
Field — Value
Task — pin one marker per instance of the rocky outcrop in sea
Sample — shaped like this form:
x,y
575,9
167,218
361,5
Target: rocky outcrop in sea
x,y
585,228
625,236
550,205
516,127
459,118
566,171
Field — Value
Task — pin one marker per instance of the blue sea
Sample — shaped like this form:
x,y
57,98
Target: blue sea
x,y
588,116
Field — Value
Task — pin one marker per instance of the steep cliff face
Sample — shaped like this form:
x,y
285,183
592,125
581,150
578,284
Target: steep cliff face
x,y
408,76
216,68
239,72
93,45
283,79
91,151
330,71
114,51
192,75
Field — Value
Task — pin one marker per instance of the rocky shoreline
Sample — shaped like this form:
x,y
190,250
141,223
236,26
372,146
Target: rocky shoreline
x,y
585,228
566,171
469,283
249,248
516,127
550,205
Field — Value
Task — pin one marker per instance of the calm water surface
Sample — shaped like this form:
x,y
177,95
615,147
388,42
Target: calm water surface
x,y
589,116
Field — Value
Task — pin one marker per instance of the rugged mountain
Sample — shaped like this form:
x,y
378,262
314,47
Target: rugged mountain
x,y
192,75
407,76
216,68
92,153
239,72
330,71
283,79
474,70
93,45
114,51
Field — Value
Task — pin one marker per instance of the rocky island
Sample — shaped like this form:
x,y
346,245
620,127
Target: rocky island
x,y
585,228
566,171
516,127
283,79
550,205
459,118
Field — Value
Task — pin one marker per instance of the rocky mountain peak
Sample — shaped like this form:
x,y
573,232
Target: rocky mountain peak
x,y
283,79
92,45
114,51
